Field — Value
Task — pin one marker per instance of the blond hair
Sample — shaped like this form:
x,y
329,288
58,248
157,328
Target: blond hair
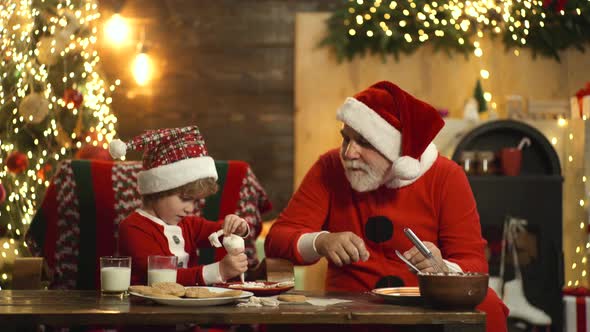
x,y
193,190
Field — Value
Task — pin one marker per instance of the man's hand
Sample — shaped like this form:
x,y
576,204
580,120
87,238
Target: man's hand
x,y
424,264
233,264
341,248
234,225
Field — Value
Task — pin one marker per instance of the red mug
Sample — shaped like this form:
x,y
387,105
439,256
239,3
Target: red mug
x,y
510,161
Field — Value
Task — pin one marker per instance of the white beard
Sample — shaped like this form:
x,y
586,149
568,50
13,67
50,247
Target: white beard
x,y
366,180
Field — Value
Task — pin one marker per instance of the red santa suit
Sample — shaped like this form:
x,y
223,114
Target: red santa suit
x,y
142,235
428,193
172,158
439,207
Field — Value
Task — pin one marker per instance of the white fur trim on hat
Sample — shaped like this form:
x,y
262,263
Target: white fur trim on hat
x,y
117,148
174,175
380,133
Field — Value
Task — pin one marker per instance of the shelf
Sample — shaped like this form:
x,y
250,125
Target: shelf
x,y
537,159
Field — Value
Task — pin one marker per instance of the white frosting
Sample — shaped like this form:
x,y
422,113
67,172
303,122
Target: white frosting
x,y
233,242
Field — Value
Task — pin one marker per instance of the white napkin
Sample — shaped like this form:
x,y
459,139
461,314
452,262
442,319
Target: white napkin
x,y
272,301
254,301
314,301
325,302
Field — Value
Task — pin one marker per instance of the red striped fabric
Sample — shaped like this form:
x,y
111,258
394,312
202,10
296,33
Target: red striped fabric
x,y
104,196
236,173
49,213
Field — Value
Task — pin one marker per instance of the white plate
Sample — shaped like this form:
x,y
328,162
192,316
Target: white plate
x,y
188,302
399,295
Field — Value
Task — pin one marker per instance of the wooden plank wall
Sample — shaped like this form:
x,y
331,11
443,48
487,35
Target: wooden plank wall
x,y
225,65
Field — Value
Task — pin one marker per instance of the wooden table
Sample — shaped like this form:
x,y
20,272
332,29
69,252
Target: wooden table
x,y
19,308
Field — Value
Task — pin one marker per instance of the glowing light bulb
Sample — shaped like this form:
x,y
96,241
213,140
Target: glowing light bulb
x,y
142,68
116,29
484,74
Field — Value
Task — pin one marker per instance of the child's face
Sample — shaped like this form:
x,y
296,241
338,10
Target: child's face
x,y
171,209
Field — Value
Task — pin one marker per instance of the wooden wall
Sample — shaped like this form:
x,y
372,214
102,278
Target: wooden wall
x,y
224,65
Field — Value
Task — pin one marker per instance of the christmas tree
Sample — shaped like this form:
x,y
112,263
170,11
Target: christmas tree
x,y
478,94
54,104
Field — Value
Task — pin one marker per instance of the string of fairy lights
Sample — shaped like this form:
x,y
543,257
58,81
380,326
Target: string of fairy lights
x,y
38,39
580,260
402,26
584,226
492,15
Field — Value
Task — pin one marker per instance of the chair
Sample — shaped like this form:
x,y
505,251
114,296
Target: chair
x,y
77,222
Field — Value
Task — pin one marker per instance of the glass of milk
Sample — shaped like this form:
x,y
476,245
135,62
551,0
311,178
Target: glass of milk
x,y
162,269
115,275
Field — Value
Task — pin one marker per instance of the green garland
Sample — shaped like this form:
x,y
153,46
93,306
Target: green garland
x,y
392,28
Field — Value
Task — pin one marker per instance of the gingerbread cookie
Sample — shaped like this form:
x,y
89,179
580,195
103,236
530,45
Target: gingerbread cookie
x,y
140,289
164,296
199,293
292,298
230,293
171,288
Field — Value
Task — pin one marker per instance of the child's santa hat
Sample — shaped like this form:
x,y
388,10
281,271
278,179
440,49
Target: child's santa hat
x,y
172,158
398,125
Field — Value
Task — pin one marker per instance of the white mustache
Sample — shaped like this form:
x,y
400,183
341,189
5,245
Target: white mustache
x,y
356,164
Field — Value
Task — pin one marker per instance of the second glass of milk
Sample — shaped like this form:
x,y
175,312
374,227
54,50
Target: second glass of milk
x,y
162,269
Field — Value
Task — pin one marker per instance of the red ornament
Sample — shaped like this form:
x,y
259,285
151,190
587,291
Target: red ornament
x,y
42,173
2,193
92,152
74,97
17,162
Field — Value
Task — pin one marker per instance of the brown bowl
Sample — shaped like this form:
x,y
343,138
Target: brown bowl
x,y
453,290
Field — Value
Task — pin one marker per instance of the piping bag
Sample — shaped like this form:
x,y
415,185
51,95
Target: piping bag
x,y
230,243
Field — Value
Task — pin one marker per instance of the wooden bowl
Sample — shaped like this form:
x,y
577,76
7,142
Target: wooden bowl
x,y
453,291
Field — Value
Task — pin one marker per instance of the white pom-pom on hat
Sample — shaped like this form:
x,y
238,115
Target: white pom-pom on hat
x,y
406,168
117,148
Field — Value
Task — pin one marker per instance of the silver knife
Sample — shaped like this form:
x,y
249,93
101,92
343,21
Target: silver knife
x,y
422,248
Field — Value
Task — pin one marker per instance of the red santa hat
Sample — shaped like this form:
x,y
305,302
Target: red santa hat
x,y
397,124
172,158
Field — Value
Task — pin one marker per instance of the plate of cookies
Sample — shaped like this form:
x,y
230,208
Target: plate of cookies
x,y
171,293
260,288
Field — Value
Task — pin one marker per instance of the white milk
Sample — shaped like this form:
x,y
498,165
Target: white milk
x,y
161,275
115,279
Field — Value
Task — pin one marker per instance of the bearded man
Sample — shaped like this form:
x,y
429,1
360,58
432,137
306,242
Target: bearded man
x,y
354,203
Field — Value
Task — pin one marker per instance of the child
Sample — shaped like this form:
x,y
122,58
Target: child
x,y
177,172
